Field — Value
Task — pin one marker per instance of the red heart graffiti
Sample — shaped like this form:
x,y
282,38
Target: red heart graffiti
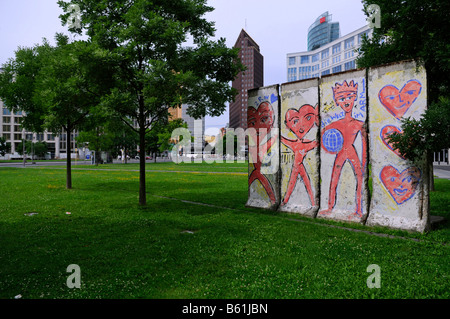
x,y
385,132
396,101
402,186
302,120
261,119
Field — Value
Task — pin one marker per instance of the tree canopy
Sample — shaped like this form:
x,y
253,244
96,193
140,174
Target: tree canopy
x,y
419,30
153,68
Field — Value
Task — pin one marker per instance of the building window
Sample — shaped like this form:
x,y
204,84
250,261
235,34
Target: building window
x,y
304,69
315,57
325,53
17,128
18,113
6,111
292,60
315,68
336,59
6,120
337,69
349,65
7,136
349,54
304,59
292,74
336,48
326,72
17,137
325,64
349,43
6,128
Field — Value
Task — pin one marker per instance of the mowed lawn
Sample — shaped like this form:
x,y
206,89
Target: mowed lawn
x,y
178,248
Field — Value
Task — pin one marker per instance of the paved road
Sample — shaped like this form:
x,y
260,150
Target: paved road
x,y
441,171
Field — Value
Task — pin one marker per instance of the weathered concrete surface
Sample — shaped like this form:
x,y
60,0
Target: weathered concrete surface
x,y
343,152
263,119
299,147
400,197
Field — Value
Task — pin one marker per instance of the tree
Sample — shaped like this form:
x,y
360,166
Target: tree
x,y
154,69
64,87
18,82
161,135
4,147
418,30
38,149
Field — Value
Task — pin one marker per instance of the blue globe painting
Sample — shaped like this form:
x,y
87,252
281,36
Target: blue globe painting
x,y
333,140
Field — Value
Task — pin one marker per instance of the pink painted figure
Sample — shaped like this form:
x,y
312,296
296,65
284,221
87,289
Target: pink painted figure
x,y
345,96
261,119
300,123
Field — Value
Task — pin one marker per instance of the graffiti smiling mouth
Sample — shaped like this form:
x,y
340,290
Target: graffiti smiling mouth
x,y
401,106
400,191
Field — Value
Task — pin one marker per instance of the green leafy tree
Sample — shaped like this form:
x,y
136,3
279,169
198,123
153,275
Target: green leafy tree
x,y
64,87
416,29
154,68
159,138
18,82
4,147
124,139
38,149
163,134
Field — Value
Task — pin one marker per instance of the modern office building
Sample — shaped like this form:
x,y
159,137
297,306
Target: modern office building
x,y
12,132
336,56
322,31
251,78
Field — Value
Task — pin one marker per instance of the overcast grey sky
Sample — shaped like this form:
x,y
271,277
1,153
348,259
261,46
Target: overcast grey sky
x,y
279,27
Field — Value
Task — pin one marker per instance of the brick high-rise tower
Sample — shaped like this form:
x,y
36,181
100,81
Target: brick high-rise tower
x,y
251,78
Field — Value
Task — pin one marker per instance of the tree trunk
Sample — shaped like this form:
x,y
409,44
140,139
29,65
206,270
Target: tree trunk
x,y
68,159
430,163
142,195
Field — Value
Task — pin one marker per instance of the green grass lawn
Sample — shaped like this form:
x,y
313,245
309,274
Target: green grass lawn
x,y
125,251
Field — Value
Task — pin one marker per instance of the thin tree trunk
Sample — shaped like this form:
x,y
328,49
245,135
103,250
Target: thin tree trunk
x,y
430,162
142,194
68,159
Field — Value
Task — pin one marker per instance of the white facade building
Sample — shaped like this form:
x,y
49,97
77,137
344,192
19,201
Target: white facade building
x,y
11,130
337,56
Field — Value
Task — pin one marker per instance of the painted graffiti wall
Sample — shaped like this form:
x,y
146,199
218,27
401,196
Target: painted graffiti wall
x,y
343,154
299,147
399,199
311,147
263,121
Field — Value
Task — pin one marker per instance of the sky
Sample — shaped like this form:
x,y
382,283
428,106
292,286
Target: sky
x,y
279,27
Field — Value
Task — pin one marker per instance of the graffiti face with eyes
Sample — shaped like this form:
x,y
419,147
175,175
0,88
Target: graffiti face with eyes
x,y
301,121
261,119
345,100
396,101
401,185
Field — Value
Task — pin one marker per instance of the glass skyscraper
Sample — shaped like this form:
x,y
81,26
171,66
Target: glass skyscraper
x,y
322,31
337,56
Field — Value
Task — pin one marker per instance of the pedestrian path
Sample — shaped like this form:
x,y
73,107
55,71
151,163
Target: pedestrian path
x,y
441,171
